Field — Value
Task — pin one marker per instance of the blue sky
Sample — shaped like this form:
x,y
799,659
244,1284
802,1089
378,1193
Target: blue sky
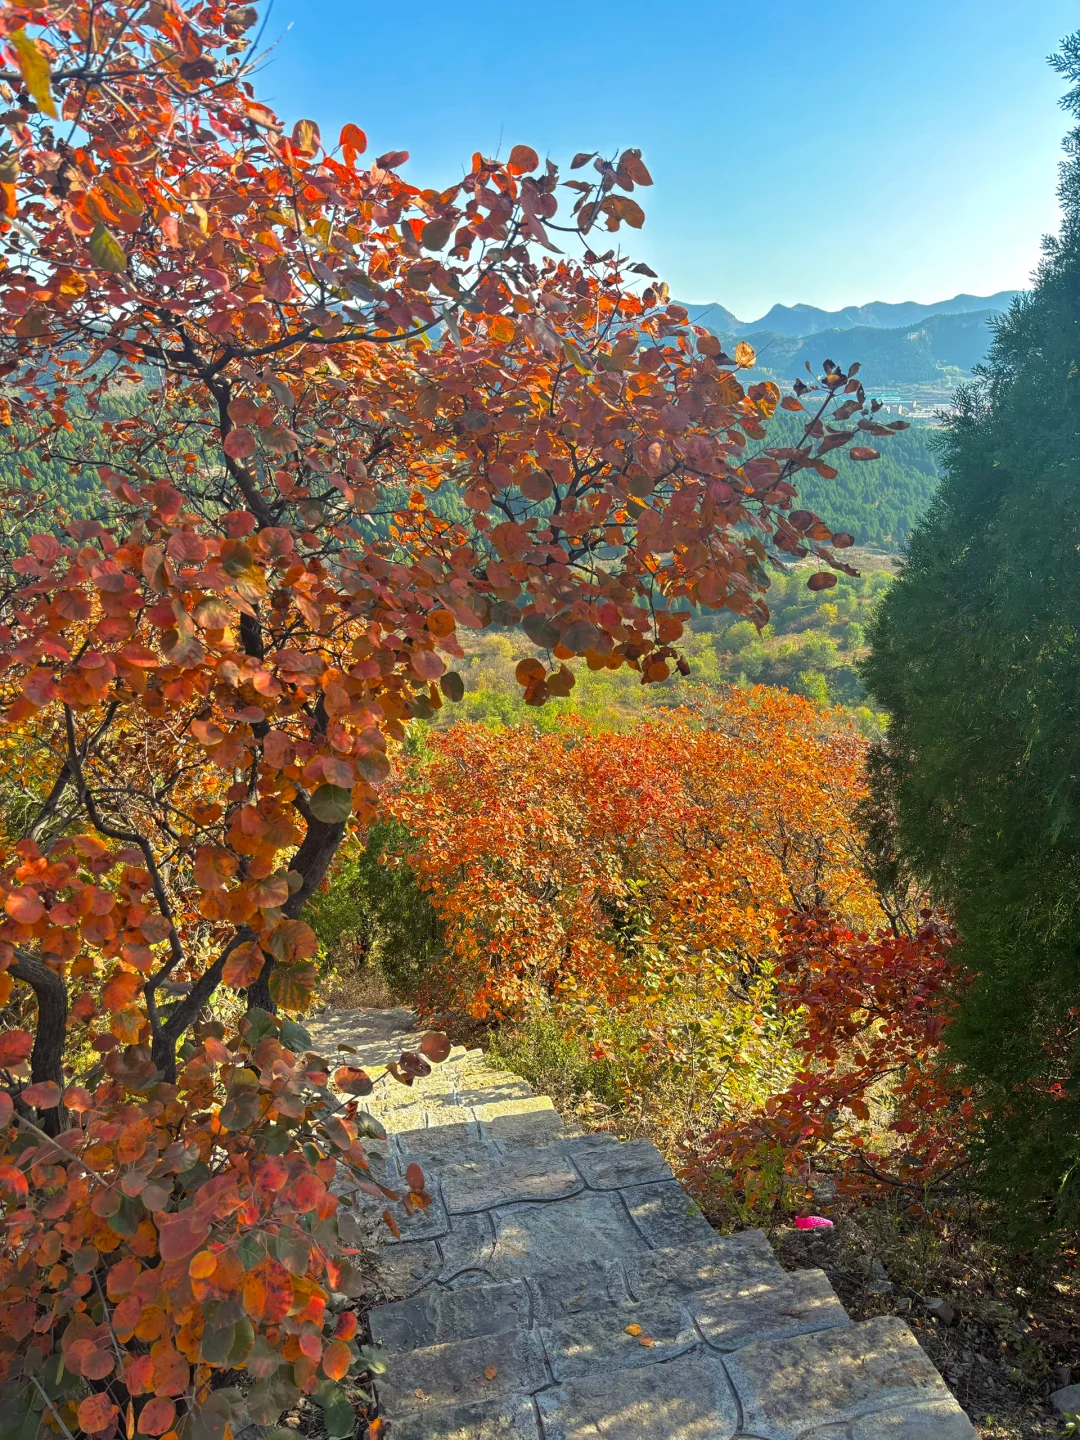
x,y
827,154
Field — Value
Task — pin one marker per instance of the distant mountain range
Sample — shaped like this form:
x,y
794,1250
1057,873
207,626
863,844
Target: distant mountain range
x,y
898,346
801,320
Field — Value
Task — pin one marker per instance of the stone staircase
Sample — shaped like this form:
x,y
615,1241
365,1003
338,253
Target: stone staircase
x,y
563,1286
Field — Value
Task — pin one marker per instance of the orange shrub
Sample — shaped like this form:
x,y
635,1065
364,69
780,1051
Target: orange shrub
x,y
689,902
556,861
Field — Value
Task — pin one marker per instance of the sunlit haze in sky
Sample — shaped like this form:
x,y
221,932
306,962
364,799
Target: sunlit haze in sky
x,y
830,154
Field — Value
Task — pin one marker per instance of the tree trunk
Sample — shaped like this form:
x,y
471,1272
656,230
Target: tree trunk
x,y
311,862
258,993
47,1056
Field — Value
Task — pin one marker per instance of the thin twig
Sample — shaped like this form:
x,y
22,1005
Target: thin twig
x,y
55,1413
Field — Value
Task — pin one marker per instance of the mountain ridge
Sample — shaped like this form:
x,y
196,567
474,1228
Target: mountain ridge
x,y
911,354
801,320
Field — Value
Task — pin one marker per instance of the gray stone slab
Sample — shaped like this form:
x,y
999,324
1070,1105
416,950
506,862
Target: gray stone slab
x,y
665,1215
524,1129
586,1285
686,1399
441,1144
412,1116
391,1093
489,1111
937,1420
426,1224
469,1246
606,1163
534,1239
511,1418
798,1304
1066,1401
597,1340
439,1316
481,1185
721,1263
405,1269
789,1387
465,1372
445,1112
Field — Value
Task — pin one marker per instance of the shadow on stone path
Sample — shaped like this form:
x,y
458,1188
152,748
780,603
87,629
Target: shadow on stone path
x,y
563,1286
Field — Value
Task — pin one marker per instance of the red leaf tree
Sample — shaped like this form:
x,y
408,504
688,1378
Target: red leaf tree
x,y
328,418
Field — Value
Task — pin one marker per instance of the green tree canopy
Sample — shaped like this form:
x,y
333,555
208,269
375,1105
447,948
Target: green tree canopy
x,y
976,656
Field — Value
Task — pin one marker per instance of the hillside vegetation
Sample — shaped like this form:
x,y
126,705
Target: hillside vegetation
x,y
880,503
812,645
936,351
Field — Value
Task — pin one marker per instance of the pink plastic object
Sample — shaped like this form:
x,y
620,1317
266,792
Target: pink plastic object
x,y
812,1222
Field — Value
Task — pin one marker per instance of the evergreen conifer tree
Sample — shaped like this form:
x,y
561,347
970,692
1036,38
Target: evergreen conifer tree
x,y
976,654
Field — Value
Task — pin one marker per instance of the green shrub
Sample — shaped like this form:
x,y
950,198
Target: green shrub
x,y
559,1062
374,912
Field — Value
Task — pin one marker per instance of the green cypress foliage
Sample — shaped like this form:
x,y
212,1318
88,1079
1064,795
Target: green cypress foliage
x,y
976,654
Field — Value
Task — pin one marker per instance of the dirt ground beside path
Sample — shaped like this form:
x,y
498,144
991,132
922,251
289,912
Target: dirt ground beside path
x,y
1014,1332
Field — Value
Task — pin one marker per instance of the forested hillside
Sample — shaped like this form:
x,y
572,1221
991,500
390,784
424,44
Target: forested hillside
x,y
879,502
929,353
55,480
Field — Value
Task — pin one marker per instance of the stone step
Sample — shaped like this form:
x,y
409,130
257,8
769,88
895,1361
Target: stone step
x,y
730,1280
685,1399
525,1125
871,1375
439,1316
511,1417
586,1326
689,1398
865,1381
563,1286
412,1109
464,1372
519,1239
476,1176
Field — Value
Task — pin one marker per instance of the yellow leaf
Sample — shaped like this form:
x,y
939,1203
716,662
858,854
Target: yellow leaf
x,y
745,355
305,136
35,71
573,354
633,1329
106,251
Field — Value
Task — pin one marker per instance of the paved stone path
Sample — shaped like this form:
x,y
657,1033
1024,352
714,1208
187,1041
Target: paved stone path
x,y
563,1286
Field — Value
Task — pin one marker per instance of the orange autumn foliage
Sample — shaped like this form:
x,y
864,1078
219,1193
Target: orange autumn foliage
x,y
556,861
175,1231
691,902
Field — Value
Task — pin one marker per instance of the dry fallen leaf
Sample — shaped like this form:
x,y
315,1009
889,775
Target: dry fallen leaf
x,y
646,1340
633,1329
490,1372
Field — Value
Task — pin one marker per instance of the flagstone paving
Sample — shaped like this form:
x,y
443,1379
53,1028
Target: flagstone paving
x,y
564,1286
